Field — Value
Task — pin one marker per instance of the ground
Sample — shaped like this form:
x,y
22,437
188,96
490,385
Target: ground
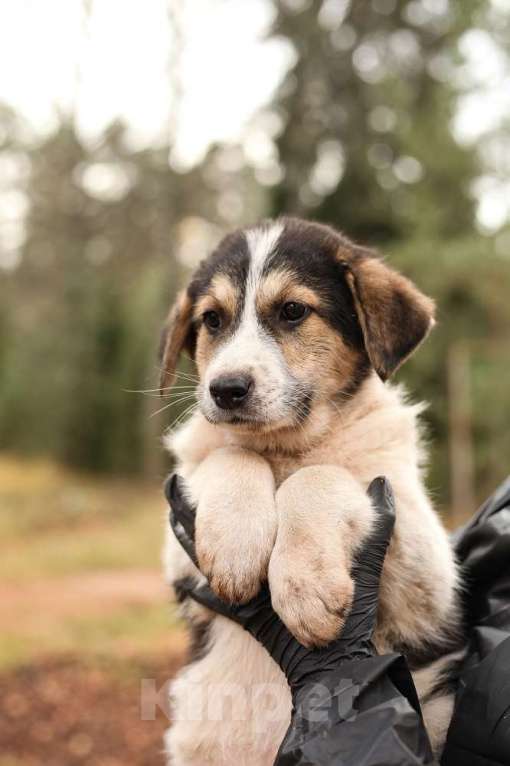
x,y
88,634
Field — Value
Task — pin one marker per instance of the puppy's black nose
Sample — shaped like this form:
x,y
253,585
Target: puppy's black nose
x,y
231,393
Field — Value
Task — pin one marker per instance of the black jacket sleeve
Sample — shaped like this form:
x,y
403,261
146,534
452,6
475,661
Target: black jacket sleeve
x,y
479,733
365,713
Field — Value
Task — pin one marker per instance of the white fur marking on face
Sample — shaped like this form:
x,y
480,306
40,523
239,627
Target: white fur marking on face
x,y
261,243
251,349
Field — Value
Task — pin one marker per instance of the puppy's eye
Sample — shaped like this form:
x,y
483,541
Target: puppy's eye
x,y
212,320
293,312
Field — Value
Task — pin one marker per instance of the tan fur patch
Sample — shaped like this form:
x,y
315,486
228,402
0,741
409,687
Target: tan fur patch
x,y
314,350
317,352
394,315
222,294
281,286
174,338
204,350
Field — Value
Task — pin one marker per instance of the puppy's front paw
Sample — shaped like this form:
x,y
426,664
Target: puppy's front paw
x,y
235,521
312,597
234,556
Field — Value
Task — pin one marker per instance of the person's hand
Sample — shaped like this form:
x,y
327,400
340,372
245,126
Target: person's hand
x,y
258,617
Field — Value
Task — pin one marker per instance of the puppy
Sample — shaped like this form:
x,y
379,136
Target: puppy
x,y
294,331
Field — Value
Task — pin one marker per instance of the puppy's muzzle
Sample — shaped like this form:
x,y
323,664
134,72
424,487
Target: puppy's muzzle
x,y
231,393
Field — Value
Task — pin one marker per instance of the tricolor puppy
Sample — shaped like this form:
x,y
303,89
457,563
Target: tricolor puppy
x,y
294,331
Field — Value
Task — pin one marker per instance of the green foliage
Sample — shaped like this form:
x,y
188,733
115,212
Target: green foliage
x,y
469,281
86,304
369,93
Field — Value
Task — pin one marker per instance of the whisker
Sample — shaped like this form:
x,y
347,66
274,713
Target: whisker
x,y
173,404
180,418
171,395
182,398
153,414
181,390
177,395
154,390
179,374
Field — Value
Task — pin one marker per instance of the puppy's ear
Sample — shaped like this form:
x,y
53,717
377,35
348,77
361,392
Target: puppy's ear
x,y
394,315
177,335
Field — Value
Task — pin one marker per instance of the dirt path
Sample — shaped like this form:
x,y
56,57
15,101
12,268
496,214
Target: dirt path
x,y
77,708
62,712
79,595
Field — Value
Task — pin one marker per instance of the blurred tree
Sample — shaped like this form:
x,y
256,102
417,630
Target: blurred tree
x,y
99,267
366,112
98,217
469,281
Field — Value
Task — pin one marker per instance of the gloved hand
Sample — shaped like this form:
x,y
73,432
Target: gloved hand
x,y
300,665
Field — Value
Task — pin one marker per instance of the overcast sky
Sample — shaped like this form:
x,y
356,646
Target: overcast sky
x,y
121,68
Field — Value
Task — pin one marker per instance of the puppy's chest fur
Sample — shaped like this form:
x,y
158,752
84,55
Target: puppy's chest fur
x,y
375,434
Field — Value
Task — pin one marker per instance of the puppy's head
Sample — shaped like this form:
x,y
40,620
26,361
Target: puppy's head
x,y
287,315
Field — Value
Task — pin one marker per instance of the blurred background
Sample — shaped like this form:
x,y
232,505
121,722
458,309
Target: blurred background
x,y
132,136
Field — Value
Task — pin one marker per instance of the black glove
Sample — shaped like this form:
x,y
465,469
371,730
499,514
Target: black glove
x,y
299,664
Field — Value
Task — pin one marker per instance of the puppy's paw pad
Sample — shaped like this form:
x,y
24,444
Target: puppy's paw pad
x,y
314,613
233,544
234,588
234,573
